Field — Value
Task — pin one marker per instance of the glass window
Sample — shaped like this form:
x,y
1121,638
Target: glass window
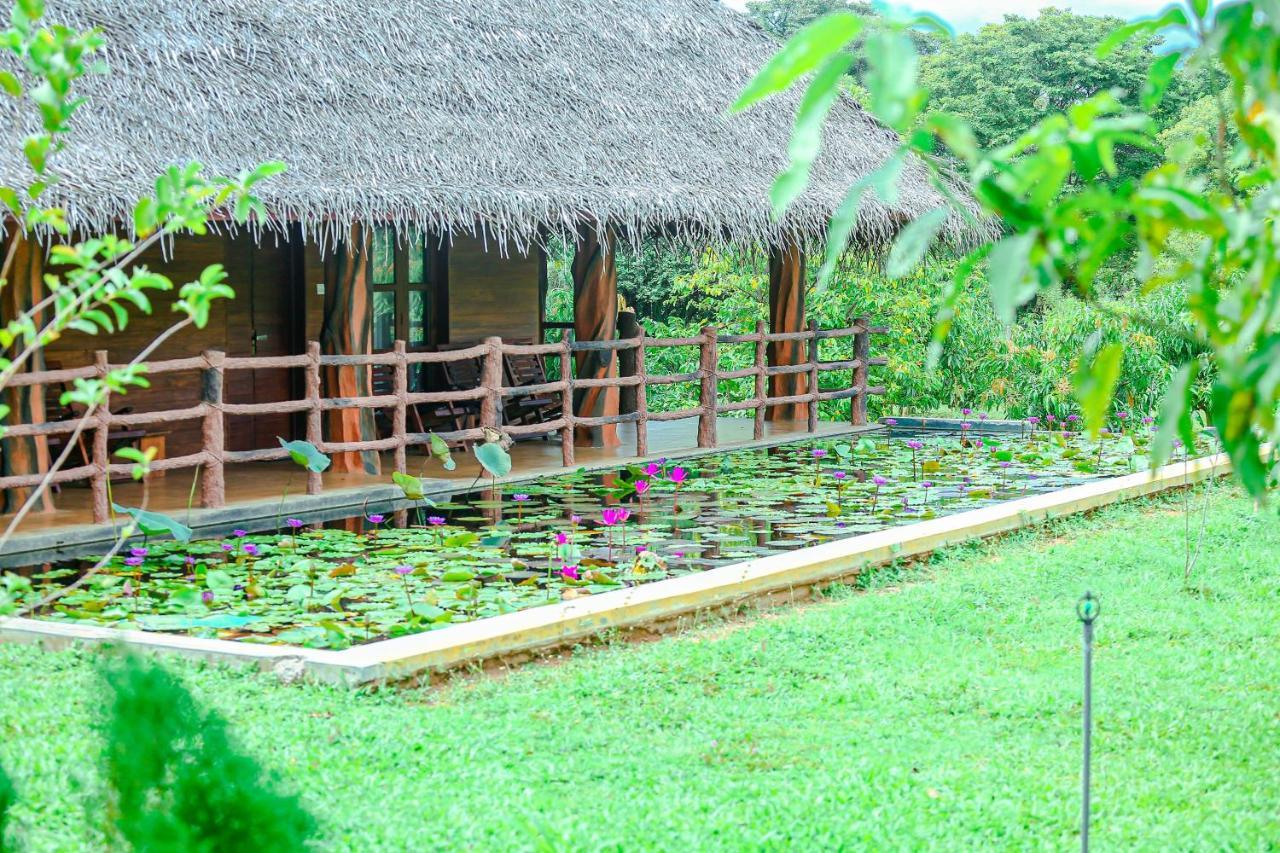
x,y
417,250
417,318
384,319
384,257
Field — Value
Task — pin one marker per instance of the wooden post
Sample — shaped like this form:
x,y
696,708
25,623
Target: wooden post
x,y
101,481
400,387
347,330
24,290
595,318
566,403
491,382
813,377
627,330
861,352
786,314
315,417
642,397
762,386
213,485
708,366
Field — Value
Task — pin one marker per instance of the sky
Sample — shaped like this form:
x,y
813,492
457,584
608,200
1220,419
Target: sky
x,y
968,15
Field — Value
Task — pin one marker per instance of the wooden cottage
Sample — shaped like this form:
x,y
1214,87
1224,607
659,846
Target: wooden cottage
x,y
432,147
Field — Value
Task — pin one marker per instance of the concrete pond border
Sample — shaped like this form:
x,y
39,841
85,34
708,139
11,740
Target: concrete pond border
x,y
518,634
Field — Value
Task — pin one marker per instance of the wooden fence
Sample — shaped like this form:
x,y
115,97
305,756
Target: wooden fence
x,y
491,393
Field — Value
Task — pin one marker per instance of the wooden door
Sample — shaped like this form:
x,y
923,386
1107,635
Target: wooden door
x,y
263,322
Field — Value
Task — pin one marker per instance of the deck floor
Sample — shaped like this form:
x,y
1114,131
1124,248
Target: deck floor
x,y
260,481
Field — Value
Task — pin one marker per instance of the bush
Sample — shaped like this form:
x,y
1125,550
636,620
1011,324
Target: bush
x,y
177,781
7,797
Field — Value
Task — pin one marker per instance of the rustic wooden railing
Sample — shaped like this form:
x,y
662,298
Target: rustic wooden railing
x,y
633,378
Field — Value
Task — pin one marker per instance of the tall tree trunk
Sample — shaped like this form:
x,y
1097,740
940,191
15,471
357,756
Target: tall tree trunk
x,y
595,318
786,314
346,331
24,289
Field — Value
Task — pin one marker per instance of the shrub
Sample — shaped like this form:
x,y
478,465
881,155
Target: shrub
x,y
177,781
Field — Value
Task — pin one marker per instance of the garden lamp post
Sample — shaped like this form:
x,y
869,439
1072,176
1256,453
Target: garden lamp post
x,y
1087,609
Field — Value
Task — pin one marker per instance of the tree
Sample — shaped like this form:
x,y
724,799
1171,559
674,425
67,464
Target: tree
x,y
92,282
1065,210
1007,76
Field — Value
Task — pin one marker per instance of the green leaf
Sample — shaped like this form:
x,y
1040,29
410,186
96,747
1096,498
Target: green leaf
x,y
1159,76
411,486
155,523
1095,381
494,459
1171,17
305,454
1008,274
10,83
804,52
440,451
914,241
806,137
1174,420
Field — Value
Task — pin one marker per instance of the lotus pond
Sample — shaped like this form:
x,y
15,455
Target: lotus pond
x,y
576,534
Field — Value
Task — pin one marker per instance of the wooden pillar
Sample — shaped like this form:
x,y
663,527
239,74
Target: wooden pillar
x,y
628,329
786,314
29,455
595,318
347,331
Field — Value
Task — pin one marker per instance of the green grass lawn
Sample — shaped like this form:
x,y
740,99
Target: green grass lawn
x,y
938,708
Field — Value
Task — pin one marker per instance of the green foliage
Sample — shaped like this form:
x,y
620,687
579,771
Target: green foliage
x,y
8,796
1005,77
177,780
1073,206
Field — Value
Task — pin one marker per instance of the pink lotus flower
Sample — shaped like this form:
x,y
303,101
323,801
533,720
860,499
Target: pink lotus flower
x,y
127,589
878,480
435,520
818,453
377,519
1033,420
295,523
890,421
614,515
915,445
678,475
138,552
239,533
966,412
404,570
207,596
519,497
251,549
966,425
839,475
133,561
570,572
1122,415
642,486
652,469
562,538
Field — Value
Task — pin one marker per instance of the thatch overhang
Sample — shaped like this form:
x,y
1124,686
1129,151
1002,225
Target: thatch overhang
x,y
499,116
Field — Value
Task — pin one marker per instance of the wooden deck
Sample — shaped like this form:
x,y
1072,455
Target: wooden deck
x,y
258,481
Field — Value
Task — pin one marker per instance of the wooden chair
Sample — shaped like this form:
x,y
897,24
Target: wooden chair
x,y
462,375
527,409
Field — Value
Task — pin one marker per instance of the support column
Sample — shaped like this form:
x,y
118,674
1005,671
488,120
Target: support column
x,y
24,289
786,314
595,318
346,331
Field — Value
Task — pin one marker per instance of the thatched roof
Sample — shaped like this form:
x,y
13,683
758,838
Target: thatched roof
x,y
503,114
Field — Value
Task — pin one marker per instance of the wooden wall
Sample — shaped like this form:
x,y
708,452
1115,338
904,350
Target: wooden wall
x,y
493,295
261,277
